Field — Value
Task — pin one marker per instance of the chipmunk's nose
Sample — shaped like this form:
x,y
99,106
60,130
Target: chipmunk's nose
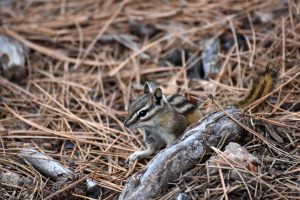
x,y
126,123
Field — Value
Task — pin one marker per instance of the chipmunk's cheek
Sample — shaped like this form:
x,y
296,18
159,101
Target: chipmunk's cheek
x,y
135,126
133,129
146,124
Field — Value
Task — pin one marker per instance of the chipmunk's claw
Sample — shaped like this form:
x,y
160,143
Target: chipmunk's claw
x,y
133,157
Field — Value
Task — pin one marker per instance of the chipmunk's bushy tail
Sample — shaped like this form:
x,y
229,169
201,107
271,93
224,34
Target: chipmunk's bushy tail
x,y
261,87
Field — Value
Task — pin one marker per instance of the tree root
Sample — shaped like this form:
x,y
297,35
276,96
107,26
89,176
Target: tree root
x,y
217,129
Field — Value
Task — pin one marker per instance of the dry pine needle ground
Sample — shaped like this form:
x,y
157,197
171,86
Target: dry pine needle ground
x,y
86,63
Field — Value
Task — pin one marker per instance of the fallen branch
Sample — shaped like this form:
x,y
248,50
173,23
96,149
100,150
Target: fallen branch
x,y
217,129
57,172
46,165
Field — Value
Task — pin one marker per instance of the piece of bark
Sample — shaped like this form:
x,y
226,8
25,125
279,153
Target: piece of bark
x,y
215,129
237,156
12,59
11,178
182,196
210,58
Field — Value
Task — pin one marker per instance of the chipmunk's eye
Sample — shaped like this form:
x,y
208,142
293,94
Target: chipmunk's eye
x,y
142,113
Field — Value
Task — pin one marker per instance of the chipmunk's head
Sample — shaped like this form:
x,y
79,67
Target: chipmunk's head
x,y
145,111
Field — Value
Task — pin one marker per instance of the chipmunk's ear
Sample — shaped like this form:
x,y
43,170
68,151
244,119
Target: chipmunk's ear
x,y
149,87
158,96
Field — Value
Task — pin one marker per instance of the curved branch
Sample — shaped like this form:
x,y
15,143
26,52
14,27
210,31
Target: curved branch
x,y
216,129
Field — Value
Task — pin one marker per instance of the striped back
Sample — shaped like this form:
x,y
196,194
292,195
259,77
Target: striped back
x,y
181,104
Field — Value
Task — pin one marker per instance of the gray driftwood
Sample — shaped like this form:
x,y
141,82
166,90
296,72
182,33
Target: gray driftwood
x,y
55,171
216,129
45,164
12,58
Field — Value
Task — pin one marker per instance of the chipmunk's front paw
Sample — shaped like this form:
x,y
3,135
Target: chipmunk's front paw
x,y
135,156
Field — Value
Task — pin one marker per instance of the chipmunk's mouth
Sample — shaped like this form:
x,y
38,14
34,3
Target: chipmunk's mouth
x,y
134,126
133,123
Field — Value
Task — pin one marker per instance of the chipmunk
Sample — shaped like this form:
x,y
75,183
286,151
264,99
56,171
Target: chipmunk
x,y
165,117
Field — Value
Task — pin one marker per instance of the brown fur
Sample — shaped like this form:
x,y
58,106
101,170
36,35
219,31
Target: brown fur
x,y
175,122
194,116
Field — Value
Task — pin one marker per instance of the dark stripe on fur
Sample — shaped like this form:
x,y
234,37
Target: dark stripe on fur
x,y
172,97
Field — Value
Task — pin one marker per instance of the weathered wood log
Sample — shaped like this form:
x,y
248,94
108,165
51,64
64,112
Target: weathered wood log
x,y
216,129
58,173
45,164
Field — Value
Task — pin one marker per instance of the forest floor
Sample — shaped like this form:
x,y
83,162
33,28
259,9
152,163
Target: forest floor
x,y
89,59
